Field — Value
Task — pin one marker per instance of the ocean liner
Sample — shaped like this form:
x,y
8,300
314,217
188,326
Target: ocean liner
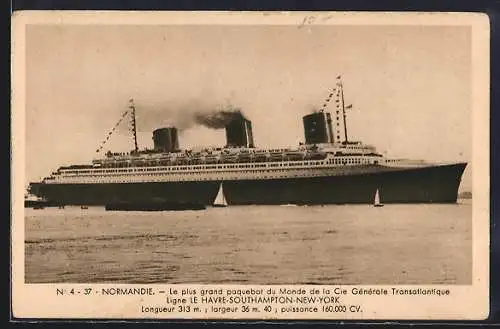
x,y
327,168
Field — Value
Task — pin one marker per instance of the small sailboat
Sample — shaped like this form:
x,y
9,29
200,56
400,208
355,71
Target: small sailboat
x,y
376,202
220,199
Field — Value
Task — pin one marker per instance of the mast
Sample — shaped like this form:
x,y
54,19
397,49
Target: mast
x,y
339,83
134,127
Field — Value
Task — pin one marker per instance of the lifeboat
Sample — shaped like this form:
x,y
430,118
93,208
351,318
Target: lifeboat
x,y
315,155
211,159
260,156
295,155
245,157
277,156
230,158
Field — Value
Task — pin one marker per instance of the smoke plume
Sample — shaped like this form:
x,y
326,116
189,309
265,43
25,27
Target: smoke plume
x,y
218,119
185,115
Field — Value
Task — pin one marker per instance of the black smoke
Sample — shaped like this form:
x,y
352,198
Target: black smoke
x,y
185,115
218,119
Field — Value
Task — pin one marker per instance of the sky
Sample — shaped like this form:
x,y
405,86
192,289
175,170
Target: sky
x,y
409,86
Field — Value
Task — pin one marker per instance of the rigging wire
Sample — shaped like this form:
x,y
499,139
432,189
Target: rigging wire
x,y
111,132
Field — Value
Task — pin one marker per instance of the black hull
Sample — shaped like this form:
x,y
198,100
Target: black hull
x,y
39,204
438,184
202,193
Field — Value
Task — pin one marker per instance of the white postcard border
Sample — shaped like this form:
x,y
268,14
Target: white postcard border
x,y
465,302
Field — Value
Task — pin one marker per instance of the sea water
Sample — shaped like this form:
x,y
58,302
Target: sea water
x,y
334,244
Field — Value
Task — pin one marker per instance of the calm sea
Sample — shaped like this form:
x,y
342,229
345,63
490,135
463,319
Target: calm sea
x,y
351,244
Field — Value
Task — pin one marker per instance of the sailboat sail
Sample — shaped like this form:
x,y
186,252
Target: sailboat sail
x,y
220,199
376,202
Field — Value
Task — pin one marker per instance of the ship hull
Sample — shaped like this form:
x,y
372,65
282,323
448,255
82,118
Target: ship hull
x,y
435,184
200,193
426,185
